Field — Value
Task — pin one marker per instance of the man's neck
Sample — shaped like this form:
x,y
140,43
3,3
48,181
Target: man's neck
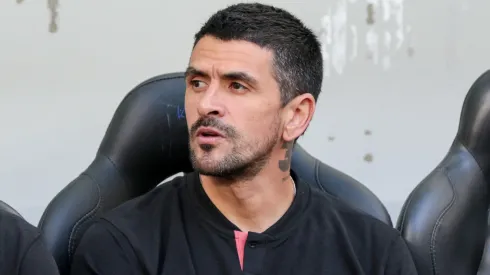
x,y
253,205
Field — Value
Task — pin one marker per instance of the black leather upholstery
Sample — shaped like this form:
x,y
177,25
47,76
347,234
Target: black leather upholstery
x,y
485,262
338,184
147,142
7,208
444,220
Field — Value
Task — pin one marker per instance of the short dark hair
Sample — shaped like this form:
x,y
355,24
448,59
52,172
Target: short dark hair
x,y
297,63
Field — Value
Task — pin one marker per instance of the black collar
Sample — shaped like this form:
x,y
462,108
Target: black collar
x,y
208,212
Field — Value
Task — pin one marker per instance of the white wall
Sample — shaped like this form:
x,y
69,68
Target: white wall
x,y
58,91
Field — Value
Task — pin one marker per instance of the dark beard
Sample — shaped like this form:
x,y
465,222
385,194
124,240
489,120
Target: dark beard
x,y
236,166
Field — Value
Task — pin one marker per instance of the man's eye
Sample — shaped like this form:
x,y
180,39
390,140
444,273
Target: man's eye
x,y
197,83
237,86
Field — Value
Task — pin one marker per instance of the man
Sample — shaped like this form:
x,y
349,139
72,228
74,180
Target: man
x,y
21,250
253,78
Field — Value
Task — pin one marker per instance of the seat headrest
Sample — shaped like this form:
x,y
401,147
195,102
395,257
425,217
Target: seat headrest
x,y
145,143
444,220
149,129
474,125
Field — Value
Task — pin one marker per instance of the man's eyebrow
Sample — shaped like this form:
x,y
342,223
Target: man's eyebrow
x,y
232,76
241,76
191,71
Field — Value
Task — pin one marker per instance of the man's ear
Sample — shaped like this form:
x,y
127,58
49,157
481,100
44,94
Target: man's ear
x,y
299,113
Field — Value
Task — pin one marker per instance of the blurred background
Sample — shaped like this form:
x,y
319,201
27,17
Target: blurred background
x,y
396,73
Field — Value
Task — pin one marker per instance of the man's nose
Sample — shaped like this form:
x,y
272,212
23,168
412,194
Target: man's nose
x,y
211,103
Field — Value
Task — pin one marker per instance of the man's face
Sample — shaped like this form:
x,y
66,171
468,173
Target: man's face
x,y
232,106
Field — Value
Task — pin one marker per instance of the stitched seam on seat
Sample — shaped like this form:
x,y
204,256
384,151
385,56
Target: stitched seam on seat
x,y
123,175
43,217
438,224
317,176
471,154
408,203
318,182
404,211
88,216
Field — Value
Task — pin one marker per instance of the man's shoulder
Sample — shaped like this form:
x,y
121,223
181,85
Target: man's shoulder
x,y
361,234
152,210
162,198
353,222
138,224
375,244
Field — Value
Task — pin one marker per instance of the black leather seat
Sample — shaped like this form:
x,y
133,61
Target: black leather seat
x,y
444,220
147,142
7,208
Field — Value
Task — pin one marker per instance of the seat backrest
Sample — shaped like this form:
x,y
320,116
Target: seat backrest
x,y
7,208
444,220
147,142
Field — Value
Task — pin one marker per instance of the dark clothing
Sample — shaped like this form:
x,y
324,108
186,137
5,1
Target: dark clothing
x,y
21,250
176,230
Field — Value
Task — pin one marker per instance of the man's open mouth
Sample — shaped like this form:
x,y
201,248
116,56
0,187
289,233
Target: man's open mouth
x,y
208,132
